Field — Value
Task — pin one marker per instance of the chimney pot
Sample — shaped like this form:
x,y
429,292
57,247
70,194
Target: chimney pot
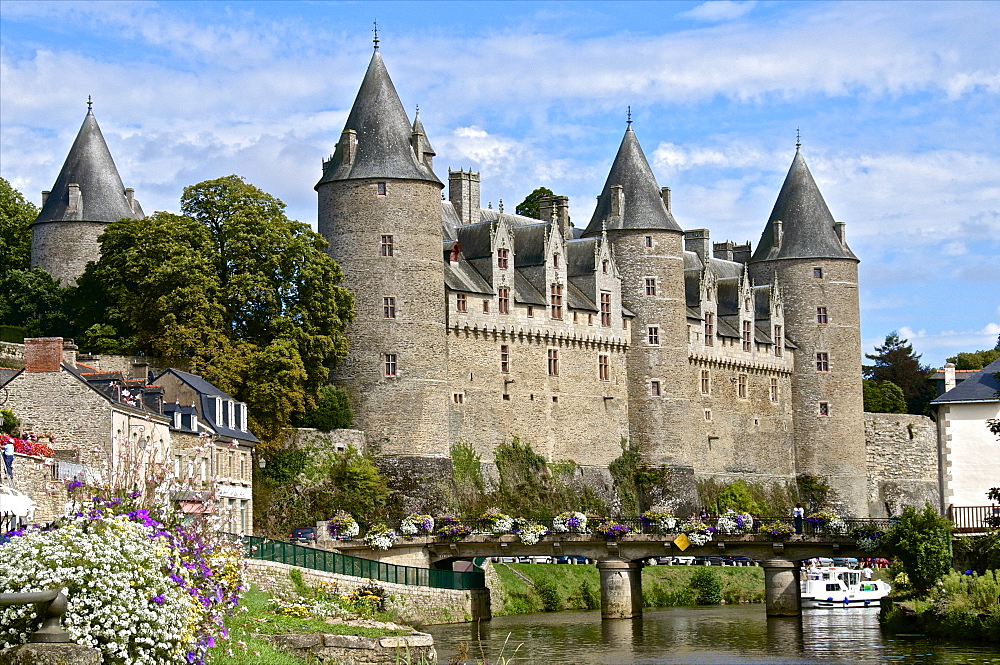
x,y
45,196
665,195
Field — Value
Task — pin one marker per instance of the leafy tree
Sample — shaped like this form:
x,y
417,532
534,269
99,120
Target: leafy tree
x,y
332,411
707,586
895,361
884,397
231,289
16,213
738,496
976,359
921,540
31,299
530,207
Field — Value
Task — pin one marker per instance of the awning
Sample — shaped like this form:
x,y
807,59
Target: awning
x,y
16,503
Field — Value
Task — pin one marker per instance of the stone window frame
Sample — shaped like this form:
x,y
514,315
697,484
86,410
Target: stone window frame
x,y
504,359
655,388
503,300
486,306
388,307
531,311
775,390
817,272
824,409
603,367
503,258
606,309
822,361
708,415
387,247
650,286
553,362
742,387
461,302
604,266
709,329
555,261
648,241
705,380
458,398
821,316
390,365
778,342
653,335
380,188
556,299
747,330
590,318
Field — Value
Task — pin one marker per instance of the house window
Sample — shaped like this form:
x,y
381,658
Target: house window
x,y
555,260
650,286
817,273
648,240
624,323
741,386
821,315
779,342
576,317
708,415
605,309
603,368
774,390
706,382
503,300
556,298
390,364
708,294
653,335
388,307
486,306
604,267
386,245
461,303
709,329
590,319
553,362
381,188
654,388
458,398
503,256
824,408
746,304
531,310
746,335
505,359
822,362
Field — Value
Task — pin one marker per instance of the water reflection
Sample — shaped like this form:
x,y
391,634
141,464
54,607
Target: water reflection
x,y
725,635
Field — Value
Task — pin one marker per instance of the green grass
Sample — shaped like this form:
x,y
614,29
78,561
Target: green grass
x,y
662,586
258,619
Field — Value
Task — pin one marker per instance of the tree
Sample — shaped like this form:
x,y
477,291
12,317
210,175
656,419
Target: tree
x,y
31,299
976,359
895,361
231,289
921,540
529,207
16,214
884,397
332,411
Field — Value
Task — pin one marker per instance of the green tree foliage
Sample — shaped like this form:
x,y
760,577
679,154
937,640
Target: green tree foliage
x,y
529,207
11,423
16,213
332,410
635,481
738,496
921,540
769,499
812,490
976,359
895,361
707,585
884,397
35,302
230,289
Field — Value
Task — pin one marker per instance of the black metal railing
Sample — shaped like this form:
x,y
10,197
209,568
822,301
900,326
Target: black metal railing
x,y
342,564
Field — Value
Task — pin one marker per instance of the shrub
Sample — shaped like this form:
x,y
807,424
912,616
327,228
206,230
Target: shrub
x,y
333,410
922,542
590,596
708,586
549,593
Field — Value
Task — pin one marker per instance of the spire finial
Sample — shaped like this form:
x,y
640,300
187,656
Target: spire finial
x,y
418,109
798,139
376,34
90,106
629,120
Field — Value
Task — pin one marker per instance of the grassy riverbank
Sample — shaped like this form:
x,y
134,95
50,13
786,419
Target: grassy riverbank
x,y
959,606
527,588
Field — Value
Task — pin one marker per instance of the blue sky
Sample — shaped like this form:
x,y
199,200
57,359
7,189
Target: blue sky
x,y
898,105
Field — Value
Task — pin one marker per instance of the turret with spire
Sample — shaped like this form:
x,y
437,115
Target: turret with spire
x,y
87,196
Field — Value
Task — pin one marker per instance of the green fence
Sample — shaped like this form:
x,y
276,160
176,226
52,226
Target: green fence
x,y
342,564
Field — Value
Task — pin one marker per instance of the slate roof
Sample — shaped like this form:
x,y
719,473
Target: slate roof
x,y
383,132
807,224
206,391
980,387
643,207
89,164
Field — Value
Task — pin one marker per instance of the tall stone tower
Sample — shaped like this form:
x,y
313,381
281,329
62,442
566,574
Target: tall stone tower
x,y
804,250
88,195
648,248
380,210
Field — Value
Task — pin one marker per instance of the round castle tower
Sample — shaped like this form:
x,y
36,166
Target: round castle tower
x,y
803,249
648,247
87,196
380,210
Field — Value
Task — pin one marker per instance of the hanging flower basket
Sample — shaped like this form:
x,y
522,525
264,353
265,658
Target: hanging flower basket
x,y
416,524
343,527
612,530
381,537
570,522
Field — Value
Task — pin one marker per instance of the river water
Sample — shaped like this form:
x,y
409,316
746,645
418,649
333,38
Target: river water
x,y
729,635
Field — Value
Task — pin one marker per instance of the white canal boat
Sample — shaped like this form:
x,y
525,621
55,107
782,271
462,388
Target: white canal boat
x,y
833,587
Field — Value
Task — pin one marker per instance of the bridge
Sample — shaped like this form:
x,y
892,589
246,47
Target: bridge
x,y
620,562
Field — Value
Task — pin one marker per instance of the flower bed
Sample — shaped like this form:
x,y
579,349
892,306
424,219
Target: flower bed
x,y
416,524
570,522
27,446
612,530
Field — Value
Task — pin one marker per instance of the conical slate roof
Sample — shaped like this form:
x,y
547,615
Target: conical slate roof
x,y
418,128
807,227
89,165
383,133
643,207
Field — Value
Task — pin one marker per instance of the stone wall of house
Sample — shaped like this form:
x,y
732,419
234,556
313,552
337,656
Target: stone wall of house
x,y
11,354
413,604
33,476
902,461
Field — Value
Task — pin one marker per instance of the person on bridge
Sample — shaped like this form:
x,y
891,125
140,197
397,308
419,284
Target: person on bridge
x,y
798,513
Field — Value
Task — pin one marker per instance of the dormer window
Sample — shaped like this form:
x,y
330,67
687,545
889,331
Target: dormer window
x,y
555,260
604,267
709,329
381,188
177,419
503,258
231,414
708,294
503,300
556,296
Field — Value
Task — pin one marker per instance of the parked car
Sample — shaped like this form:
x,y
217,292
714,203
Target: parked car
x,y
845,561
305,535
540,559
683,560
572,559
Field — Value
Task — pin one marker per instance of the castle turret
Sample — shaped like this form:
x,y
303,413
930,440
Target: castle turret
x,y
380,210
648,247
804,250
87,196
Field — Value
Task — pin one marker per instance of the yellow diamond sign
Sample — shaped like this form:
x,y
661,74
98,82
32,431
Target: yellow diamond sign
x,y
682,542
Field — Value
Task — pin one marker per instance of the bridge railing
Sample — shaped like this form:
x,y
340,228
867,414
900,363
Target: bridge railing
x,y
974,519
342,564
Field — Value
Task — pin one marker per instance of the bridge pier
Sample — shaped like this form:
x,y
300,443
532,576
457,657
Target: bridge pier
x,y
781,588
621,589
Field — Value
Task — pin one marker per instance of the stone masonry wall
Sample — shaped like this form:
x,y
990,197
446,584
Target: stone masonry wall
x,y
414,604
902,462
33,476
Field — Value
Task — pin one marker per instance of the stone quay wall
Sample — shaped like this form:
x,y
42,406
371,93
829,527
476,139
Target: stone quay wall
x,y
414,604
357,650
902,460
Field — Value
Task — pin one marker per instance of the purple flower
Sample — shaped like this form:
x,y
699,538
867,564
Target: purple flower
x,y
159,599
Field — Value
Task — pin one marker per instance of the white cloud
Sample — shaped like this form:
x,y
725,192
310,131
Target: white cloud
x,y
719,10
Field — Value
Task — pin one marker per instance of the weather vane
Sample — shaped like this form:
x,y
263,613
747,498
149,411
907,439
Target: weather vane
x,y
798,139
629,121
90,104
376,34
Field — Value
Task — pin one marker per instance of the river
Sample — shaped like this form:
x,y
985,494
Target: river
x,y
730,635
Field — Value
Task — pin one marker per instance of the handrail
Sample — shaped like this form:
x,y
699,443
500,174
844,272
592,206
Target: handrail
x,y
51,606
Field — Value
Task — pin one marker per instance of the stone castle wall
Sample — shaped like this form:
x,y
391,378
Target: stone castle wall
x,y
902,462
63,249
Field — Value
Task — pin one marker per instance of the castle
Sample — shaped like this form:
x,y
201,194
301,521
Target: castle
x,y
475,325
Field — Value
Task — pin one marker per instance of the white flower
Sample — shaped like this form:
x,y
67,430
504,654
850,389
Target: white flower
x,y
570,522
531,533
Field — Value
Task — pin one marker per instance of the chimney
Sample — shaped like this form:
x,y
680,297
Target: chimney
x,y
45,196
463,192
723,250
838,228
562,214
420,147
697,241
140,370
949,376
665,195
741,253
43,354
69,349
75,198
778,233
348,146
617,200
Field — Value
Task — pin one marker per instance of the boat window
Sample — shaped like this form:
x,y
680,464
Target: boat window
x,y
833,587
